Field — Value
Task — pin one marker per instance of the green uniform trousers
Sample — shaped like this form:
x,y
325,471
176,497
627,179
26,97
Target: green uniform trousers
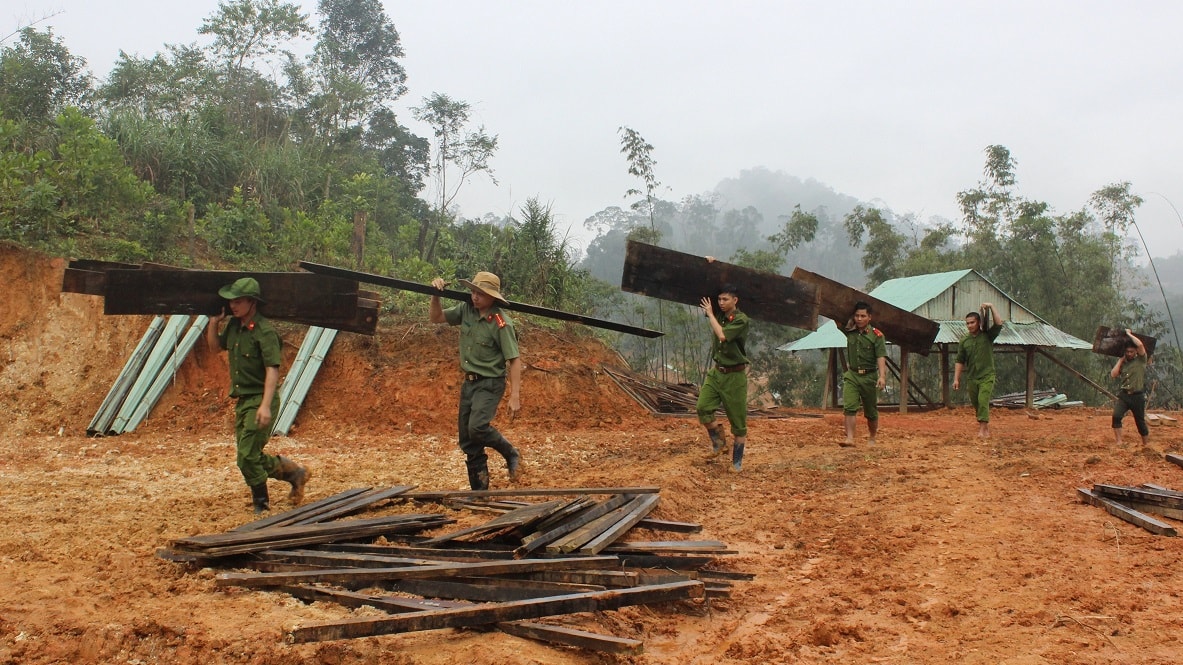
x,y
980,394
255,465
860,388
729,390
479,400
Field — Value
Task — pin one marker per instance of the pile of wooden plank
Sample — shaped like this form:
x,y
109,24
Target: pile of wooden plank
x,y
678,399
1132,504
533,559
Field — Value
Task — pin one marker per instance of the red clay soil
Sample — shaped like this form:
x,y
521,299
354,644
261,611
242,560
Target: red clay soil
x,y
931,547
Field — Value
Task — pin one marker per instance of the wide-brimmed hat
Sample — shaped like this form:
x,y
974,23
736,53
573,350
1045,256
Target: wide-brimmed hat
x,y
488,284
246,287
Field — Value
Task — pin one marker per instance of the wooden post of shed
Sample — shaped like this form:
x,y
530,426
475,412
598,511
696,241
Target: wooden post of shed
x,y
903,380
945,376
1030,376
828,390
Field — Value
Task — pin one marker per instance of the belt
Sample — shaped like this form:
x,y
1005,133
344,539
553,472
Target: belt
x,y
472,376
865,370
731,368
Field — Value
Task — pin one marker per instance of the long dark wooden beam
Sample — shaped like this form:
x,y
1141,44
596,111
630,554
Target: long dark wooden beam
x,y
325,301
667,274
901,327
492,613
527,629
1125,513
439,570
405,285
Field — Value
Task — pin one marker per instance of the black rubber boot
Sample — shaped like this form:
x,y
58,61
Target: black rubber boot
x,y
513,459
718,440
478,475
737,455
259,498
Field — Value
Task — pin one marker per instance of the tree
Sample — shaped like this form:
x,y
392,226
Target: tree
x,y
39,78
468,151
247,29
639,155
356,58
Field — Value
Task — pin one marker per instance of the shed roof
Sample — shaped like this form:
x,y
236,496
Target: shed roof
x,y
944,297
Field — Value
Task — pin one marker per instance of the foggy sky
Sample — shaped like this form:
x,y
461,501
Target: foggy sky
x,y
890,102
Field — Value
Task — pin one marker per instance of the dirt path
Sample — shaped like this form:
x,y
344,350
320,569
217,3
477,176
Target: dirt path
x,y
933,547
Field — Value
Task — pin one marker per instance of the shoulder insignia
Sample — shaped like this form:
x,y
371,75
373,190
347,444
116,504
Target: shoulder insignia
x,y
878,332
500,321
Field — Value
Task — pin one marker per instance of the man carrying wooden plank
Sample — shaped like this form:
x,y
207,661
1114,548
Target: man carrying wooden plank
x,y
1131,369
488,351
726,383
866,372
254,350
975,354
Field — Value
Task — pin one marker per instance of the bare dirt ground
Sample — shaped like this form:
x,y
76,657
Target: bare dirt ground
x,y
932,547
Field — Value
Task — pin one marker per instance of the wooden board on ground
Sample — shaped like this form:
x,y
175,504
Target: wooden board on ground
x,y
901,327
1125,513
685,278
1111,342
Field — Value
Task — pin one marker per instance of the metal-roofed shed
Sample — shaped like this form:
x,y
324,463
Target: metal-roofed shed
x,y
945,298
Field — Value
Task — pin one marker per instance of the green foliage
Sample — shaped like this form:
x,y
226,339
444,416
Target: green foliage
x,y
40,78
63,181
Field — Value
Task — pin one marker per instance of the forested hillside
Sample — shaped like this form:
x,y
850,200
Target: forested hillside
x,y
236,152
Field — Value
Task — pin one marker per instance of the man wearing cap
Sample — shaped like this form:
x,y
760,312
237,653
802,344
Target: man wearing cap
x,y
866,372
254,350
488,353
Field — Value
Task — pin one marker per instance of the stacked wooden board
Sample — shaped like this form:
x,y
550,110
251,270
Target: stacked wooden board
x,y
538,558
1139,505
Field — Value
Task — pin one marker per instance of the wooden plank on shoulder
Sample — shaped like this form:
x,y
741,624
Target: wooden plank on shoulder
x,y
1111,341
901,327
667,274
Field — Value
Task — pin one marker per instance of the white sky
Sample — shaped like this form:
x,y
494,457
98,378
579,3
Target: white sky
x,y
890,102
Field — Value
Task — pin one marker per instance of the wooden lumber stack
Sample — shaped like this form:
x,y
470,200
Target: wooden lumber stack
x,y
677,399
1132,504
563,552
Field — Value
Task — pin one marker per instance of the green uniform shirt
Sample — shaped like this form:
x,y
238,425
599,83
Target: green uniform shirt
x,y
486,342
976,353
731,351
864,349
1133,375
252,349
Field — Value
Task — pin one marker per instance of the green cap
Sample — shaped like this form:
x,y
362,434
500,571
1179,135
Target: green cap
x,y
246,287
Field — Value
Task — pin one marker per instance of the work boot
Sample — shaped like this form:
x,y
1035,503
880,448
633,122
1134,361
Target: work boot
x,y
259,498
290,472
718,440
513,464
513,459
737,455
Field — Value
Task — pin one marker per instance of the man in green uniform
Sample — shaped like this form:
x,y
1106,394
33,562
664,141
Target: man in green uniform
x,y
975,355
488,352
254,350
866,372
726,383
1131,369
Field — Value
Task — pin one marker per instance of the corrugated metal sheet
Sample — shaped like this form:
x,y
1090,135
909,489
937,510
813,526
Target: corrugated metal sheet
x,y
827,336
1038,333
946,296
